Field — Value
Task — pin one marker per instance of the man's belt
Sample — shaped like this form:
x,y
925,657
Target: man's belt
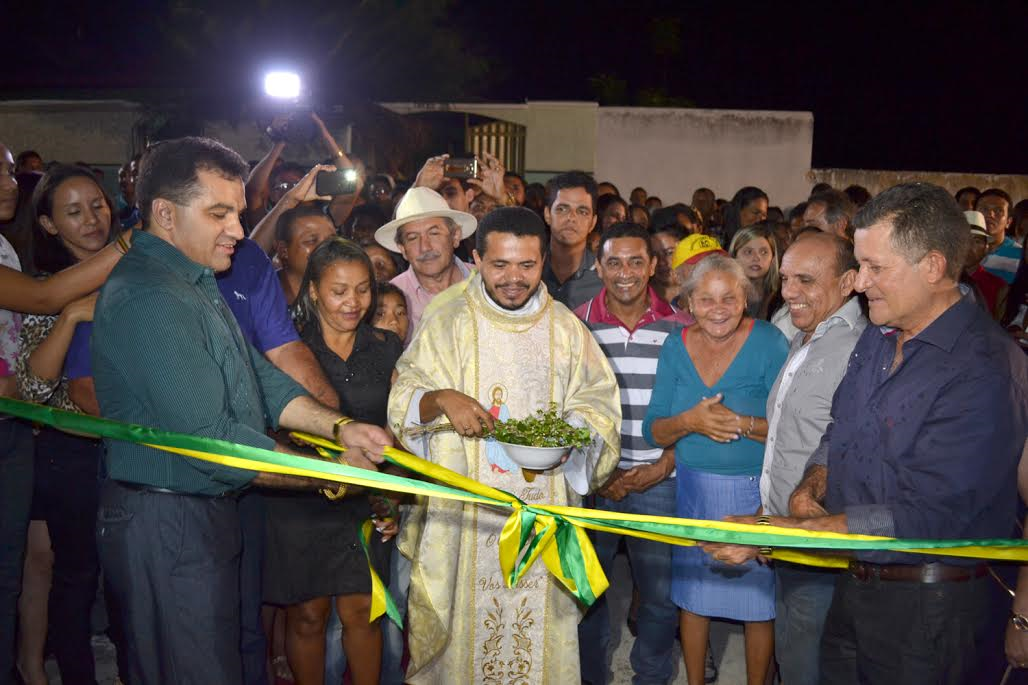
x,y
139,487
922,573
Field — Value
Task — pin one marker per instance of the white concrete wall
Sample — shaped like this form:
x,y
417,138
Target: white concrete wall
x,y
671,152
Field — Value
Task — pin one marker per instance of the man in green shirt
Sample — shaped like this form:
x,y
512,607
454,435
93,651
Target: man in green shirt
x,y
168,353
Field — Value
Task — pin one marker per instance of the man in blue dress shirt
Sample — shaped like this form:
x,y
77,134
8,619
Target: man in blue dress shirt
x,y
928,425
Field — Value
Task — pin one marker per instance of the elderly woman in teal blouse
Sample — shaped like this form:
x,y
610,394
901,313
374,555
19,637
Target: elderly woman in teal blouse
x,y
713,379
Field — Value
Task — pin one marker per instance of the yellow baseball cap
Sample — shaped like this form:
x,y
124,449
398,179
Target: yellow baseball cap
x,y
693,248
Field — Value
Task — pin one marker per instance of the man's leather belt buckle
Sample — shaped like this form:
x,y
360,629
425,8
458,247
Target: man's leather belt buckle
x,y
920,573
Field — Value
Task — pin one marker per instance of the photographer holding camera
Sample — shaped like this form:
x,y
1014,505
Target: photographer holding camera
x,y
340,186
462,180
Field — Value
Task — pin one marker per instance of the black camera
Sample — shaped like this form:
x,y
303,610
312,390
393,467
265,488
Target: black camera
x,y
299,128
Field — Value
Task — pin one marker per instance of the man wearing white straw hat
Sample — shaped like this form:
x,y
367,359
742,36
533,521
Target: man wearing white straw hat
x,y
991,287
426,232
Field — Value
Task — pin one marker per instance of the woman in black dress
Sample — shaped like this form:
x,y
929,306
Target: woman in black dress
x,y
316,553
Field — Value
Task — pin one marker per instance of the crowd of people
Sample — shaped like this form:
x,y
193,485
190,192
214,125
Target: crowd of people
x,y
853,364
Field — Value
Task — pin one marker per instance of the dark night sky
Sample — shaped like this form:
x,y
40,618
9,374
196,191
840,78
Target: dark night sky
x,y
926,86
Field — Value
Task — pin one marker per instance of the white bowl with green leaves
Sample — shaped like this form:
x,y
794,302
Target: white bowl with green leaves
x,y
534,458
539,442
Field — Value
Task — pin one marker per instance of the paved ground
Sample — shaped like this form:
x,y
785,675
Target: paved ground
x,y
726,640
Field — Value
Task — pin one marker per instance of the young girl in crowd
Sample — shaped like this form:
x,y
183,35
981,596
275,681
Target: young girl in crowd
x,y
317,559
382,261
73,223
391,314
756,250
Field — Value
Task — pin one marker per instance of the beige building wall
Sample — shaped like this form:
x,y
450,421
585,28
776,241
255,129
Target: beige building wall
x,y
671,152
876,180
98,132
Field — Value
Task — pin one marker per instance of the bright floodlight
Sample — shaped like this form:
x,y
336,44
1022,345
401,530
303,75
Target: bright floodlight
x,y
282,84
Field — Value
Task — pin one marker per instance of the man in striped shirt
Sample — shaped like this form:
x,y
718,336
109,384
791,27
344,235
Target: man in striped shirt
x,y
1004,252
629,321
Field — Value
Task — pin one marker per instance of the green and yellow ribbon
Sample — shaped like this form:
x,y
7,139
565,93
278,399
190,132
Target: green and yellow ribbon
x,y
555,534
381,601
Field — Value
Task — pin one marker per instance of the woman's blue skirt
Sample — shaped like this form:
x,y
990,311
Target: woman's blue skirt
x,y
700,584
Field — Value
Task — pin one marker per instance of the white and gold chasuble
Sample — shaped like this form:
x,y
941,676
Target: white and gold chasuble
x,y
465,625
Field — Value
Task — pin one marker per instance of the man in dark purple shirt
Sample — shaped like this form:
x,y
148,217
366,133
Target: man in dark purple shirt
x,y
928,425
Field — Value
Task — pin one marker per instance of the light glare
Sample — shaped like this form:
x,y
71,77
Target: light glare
x,y
282,84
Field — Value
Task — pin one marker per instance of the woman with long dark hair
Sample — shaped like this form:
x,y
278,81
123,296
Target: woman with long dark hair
x,y
748,207
73,223
317,561
20,293
610,210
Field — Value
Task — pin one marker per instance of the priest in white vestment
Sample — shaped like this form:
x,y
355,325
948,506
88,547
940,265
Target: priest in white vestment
x,y
501,347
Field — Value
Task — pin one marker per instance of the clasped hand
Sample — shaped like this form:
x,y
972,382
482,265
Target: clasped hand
x,y
713,419
638,479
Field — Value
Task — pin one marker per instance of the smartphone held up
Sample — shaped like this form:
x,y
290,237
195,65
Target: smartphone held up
x,y
460,168
339,182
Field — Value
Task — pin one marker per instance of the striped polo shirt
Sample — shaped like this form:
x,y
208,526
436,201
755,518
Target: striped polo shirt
x,y
1004,260
633,355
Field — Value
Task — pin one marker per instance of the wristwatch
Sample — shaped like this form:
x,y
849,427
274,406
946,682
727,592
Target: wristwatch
x,y
1019,621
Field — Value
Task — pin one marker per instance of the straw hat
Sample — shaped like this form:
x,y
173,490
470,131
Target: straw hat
x,y
976,220
422,203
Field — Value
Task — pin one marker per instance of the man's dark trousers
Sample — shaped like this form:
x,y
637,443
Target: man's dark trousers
x,y
803,595
886,631
652,654
253,645
173,563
